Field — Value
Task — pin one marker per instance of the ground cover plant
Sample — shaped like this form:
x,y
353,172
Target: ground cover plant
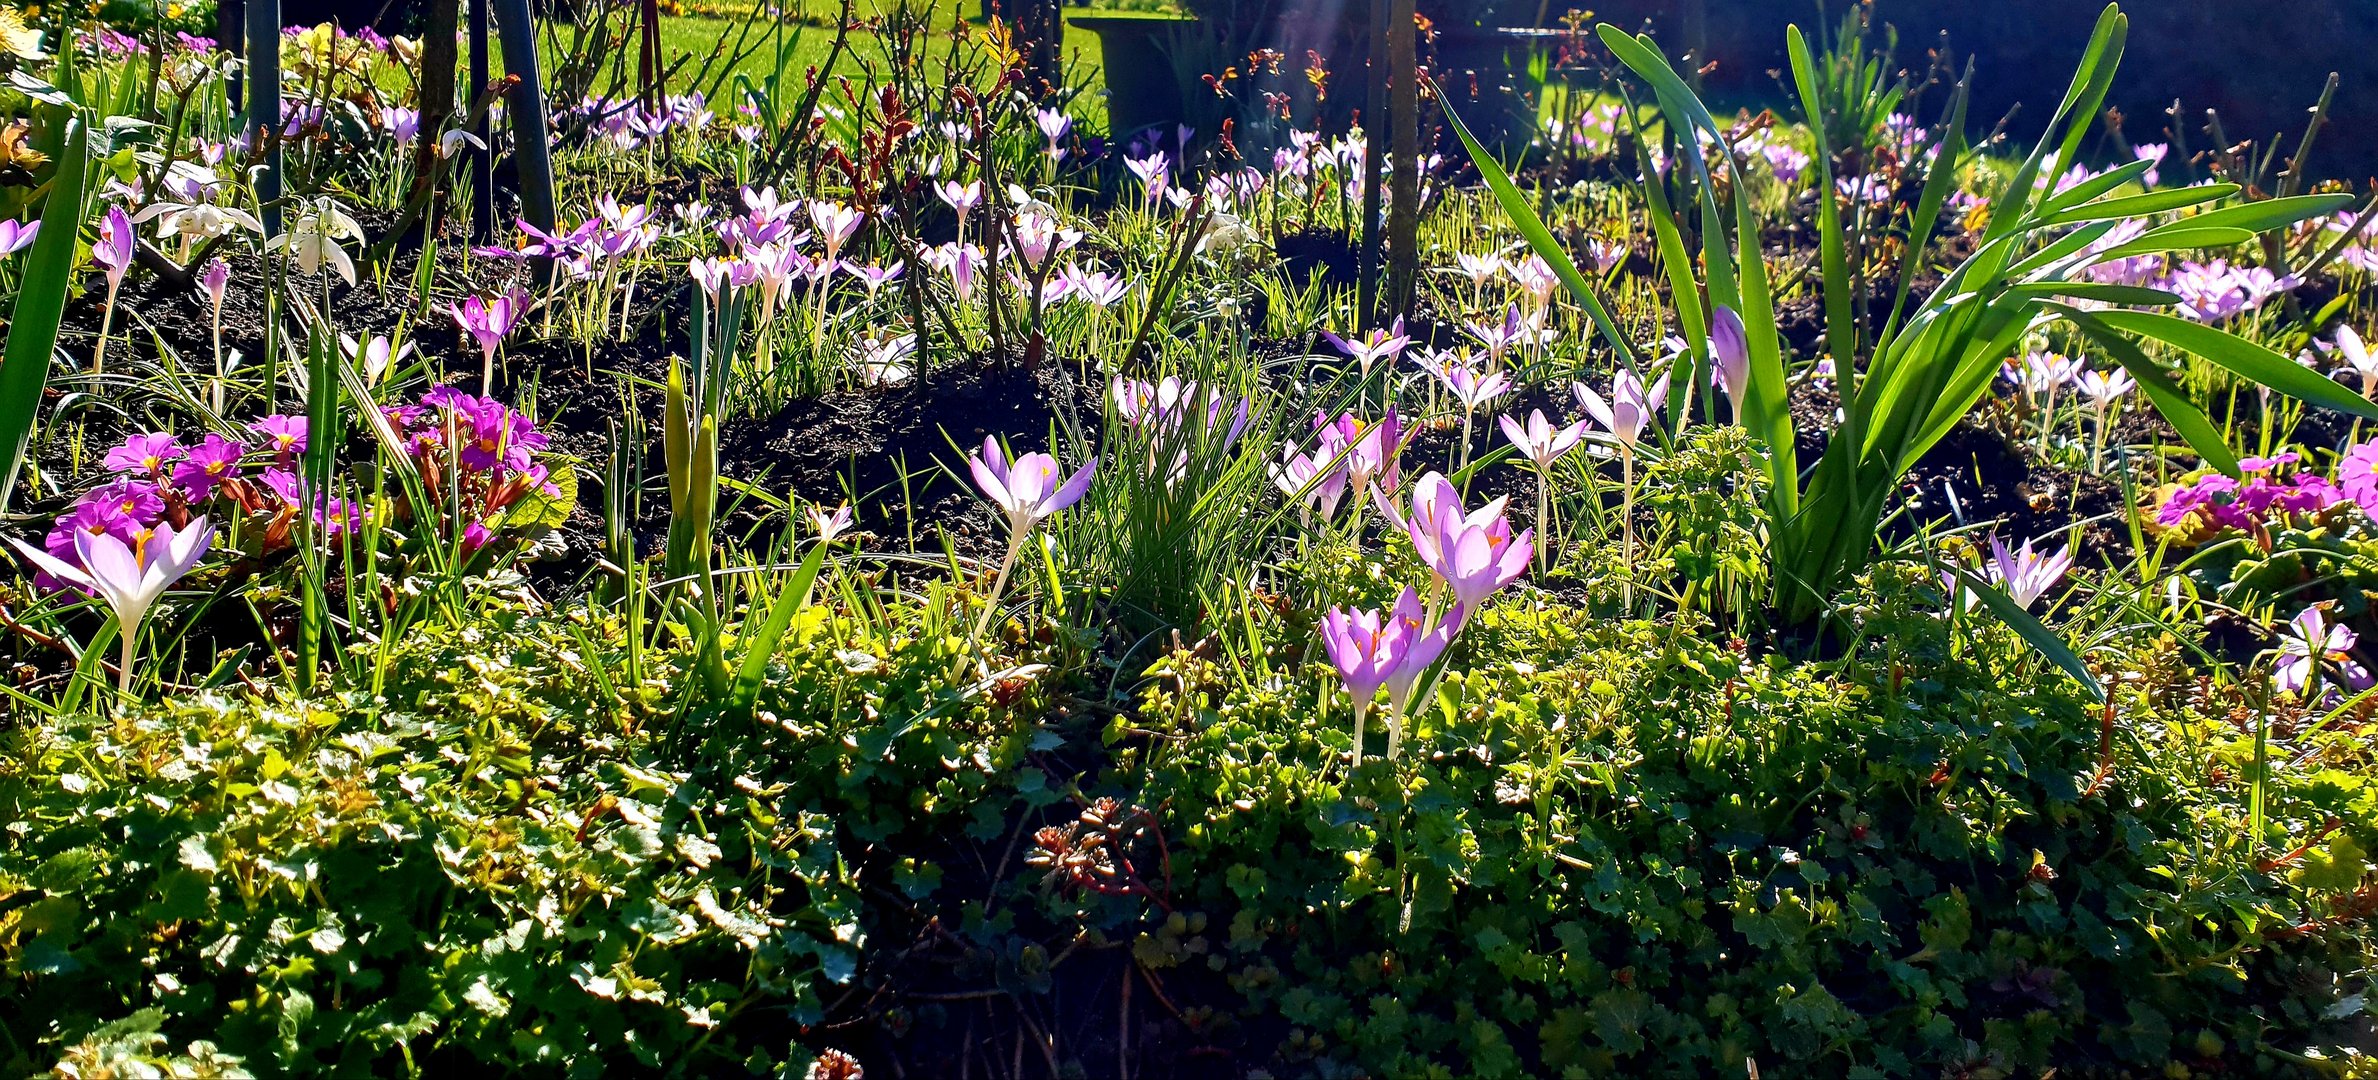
x,y
770,561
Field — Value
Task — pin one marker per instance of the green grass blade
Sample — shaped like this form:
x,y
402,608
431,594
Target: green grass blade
x,y
41,304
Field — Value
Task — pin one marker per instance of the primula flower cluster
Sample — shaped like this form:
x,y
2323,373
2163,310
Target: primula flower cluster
x,y
159,481
486,448
2271,488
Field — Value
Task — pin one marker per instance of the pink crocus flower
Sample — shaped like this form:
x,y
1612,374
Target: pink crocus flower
x,y
1729,355
1365,646
829,526
1378,344
835,224
1630,407
129,577
1539,440
1310,481
488,324
1423,643
113,253
1026,490
1475,553
962,198
16,236
2311,641
2026,575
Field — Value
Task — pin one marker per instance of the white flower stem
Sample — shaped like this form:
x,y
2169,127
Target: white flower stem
x,y
130,632
1015,544
107,321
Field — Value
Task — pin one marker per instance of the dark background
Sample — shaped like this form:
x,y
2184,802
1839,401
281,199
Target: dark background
x,y
2260,62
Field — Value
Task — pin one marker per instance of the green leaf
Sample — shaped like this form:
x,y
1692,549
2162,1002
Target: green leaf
x,y
2242,357
2153,202
41,303
762,646
2030,629
1531,228
2167,397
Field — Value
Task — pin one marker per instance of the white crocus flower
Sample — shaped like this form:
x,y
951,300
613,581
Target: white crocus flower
x,y
313,241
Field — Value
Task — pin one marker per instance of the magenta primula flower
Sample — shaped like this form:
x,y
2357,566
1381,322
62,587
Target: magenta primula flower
x,y
149,454
138,500
284,435
213,461
2357,476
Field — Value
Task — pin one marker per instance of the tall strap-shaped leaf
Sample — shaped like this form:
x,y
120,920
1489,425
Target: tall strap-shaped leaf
x,y
1939,177
1767,407
2014,206
41,303
1531,228
2242,357
1841,326
789,602
2166,395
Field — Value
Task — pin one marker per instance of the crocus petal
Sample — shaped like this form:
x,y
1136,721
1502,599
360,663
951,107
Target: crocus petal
x,y
54,566
1075,487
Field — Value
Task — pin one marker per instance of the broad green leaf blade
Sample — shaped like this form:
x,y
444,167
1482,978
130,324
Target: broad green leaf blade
x,y
1841,326
2242,357
762,646
1927,213
2030,629
2177,237
41,304
1767,412
2093,187
1540,239
2126,295
2267,214
2166,395
2153,202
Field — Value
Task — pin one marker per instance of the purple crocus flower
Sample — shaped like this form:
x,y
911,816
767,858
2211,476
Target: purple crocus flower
x,y
1370,348
16,236
2024,574
2310,641
1026,490
488,323
1729,354
129,577
1365,646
